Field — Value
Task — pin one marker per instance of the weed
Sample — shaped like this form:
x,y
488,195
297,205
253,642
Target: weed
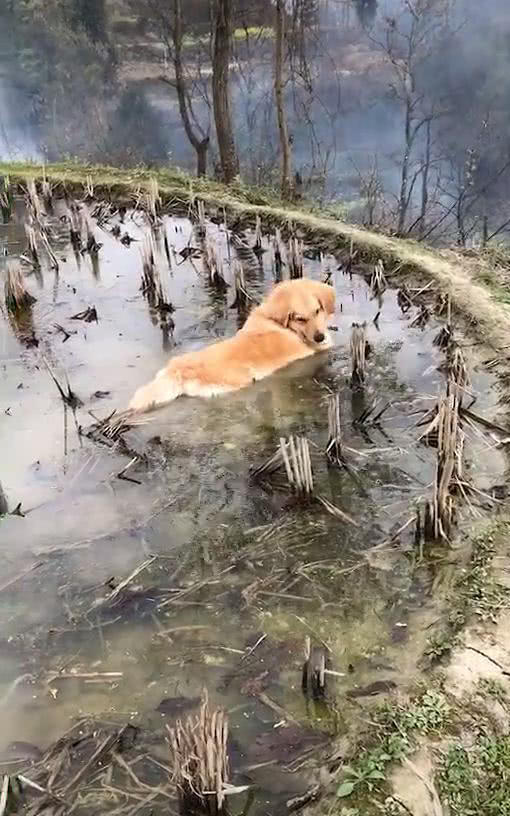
x,y
476,592
476,781
479,591
396,725
440,644
492,687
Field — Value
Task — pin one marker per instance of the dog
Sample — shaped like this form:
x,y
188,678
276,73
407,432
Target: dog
x,y
289,325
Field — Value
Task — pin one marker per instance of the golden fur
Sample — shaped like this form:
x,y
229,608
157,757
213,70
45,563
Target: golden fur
x,y
289,325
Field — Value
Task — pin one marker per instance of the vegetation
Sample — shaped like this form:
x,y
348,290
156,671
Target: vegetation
x,y
476,592
474,780
396,727
298,92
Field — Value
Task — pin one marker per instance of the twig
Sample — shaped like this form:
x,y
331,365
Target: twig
x,y
255,646
106,746
123,584
4,794
490,659
20,575
335,511
284,715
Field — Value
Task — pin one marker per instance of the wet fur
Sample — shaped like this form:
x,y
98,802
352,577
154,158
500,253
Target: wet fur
x,y
284,328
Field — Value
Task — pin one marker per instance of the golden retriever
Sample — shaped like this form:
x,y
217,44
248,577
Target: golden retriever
x,y
289,325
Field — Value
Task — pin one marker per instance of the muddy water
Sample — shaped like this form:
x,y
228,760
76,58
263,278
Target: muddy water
x,y
237,564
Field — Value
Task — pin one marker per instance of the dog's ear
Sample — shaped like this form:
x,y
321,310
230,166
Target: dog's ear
x,y
277,306
326,296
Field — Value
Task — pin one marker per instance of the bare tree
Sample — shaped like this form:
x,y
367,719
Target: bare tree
x,y
169,24
406,44
425,172
370,190
222,50
286,151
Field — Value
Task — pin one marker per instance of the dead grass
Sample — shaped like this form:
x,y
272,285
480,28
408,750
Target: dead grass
x,y
465,277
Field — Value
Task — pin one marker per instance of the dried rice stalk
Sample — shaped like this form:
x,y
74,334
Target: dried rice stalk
x,y
17,297
295,258
353,254
47,194
334,446
457,369
73,217
33,200
242,296
154,202
422,318
450,447
443,338
358,352
199,760
6,198
298,464
378,280
214,264
32,241
200,228
404,299
148,253
257,246
278,254
87,229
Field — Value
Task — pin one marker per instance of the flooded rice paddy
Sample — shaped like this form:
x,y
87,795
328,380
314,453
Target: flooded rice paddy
x,y
228,575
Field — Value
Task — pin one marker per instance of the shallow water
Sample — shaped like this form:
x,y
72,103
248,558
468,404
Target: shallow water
x,y
236,560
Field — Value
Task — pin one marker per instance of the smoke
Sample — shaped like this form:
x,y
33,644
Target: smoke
x,y
344,109
17,136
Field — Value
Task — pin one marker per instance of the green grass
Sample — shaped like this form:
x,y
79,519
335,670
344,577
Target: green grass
x,y
476,781
395,731
239,35
171,180
476,592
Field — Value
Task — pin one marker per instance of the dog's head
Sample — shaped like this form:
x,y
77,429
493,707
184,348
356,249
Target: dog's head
x,y
303,306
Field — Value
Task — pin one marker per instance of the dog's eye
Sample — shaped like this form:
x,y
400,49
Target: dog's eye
x,y
317,312
301,319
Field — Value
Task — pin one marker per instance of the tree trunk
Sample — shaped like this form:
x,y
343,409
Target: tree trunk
x,y
425,182
202,157
200,143
221,94
286,177
403,201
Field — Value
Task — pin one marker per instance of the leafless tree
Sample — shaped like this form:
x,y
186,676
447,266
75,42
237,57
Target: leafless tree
x,y
370,190
285,145
406,44
169,23
222,52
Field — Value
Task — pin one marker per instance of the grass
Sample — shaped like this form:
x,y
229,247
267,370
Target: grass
x,y
239,35
476,592
493,688
472,780
396,727
475,781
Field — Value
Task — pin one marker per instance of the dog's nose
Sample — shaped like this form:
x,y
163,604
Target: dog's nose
x,y
318,337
